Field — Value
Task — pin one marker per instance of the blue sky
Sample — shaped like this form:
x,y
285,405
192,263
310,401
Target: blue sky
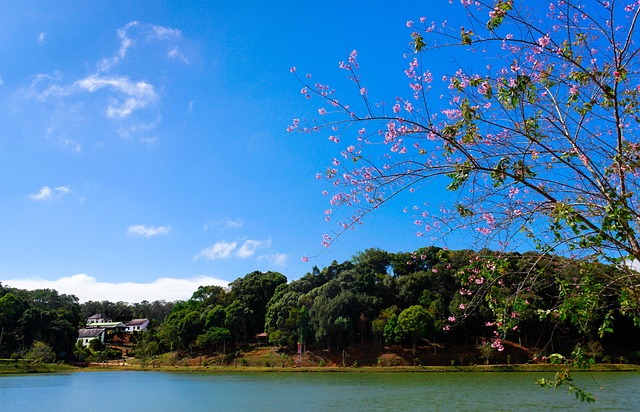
x,y
144,148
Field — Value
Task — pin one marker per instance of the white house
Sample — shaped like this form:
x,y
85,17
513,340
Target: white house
x,y
99,318
137,325
85,336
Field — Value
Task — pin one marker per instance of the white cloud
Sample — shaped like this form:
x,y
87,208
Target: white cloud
x,y
42,38
175,53
134,95
219,250
121,94
127,95
47,193
275,259
249,247
225,223
164,33
148,231
145,32
89,288
223,249
125,44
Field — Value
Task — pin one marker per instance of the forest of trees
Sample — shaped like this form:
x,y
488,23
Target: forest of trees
x,y
376,299
44,315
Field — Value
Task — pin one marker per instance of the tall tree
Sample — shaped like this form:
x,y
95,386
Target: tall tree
x,y
415,324
537,134
254,291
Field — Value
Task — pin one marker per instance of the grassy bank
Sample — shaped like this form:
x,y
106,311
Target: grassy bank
x,y
8,366
17,367
385,369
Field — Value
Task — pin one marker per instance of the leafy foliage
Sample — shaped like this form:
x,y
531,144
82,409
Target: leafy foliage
x,y
539,144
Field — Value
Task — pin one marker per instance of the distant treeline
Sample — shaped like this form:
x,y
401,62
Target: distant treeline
x,y
376,298
45,315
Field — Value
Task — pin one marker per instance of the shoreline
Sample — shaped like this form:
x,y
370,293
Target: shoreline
x,y
367,369
16,367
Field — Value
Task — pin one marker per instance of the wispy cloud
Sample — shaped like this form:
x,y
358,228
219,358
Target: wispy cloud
x,y
47,193
148,231
130,103
125,44
225,223
42,38
165,33
143,33
275,259
87,288
249,247
223,249
176,54
219,250
132,95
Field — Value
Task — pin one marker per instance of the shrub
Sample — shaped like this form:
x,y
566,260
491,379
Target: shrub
x,y
40,352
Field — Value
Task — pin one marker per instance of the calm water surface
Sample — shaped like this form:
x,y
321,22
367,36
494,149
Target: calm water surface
x,y
162,391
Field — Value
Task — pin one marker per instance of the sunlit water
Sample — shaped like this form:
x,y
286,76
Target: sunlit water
x,y
435,391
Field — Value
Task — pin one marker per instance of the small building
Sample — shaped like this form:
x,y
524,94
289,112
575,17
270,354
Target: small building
x,y
99,318
262,338
137,325
110,326
86,335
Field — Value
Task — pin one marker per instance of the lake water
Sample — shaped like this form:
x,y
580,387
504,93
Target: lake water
x,y
317,391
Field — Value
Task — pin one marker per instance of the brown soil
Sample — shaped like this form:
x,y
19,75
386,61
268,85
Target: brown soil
x,y
430,355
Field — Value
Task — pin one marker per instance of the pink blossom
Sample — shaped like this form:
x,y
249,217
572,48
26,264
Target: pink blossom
x,y
408,107
573,89
451,319
497,344
322,111
293,69
462,306
352,56
304,258
544,40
